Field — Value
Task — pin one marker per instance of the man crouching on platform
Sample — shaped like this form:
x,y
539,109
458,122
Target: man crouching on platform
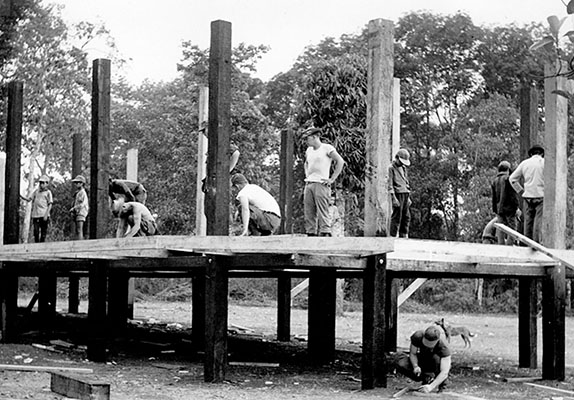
x,y
428,361
135,219
260,213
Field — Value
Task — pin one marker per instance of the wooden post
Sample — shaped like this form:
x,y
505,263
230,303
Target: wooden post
x,y
74,281
100,214
100,150
286,204
379,126
527,287
216,287
47,290
374,364
219,127
9,282
2,193
217,198
554,221
396,130
200,221
131,175
392,312
321,316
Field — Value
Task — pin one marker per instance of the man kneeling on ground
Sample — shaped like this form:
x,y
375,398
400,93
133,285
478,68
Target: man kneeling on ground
x,y
260,213
429,360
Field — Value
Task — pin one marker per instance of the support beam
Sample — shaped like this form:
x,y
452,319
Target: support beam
x,y
47,289
286,181
216,307
379,126
321,315
392,314
97,310
284,308
374,364
9,282
554,221
200,221
100,214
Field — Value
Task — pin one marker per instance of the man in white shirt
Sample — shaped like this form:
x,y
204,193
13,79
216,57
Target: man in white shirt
x,y
260,213
532,171
318,180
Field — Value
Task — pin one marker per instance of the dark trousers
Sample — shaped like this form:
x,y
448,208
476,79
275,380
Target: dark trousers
x,y
40,229
533,208
262,223
401,216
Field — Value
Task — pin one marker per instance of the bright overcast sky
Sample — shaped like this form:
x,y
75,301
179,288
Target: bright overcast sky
x,y
149,32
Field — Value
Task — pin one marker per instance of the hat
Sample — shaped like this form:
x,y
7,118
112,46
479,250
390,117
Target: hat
x,y
44,178
431,337
79,178
536,149
238,179
404,156
311,131
504,166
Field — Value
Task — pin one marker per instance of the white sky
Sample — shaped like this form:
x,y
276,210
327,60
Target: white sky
x,y
149,32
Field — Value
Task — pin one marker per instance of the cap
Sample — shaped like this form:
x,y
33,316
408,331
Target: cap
x,y
79,178
311,131
404,156
536,149
431,337
238,179
504,166
44,178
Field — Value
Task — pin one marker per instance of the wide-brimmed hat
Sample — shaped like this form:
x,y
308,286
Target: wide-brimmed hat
x,y
44,178
311,131
79,178
404,156
504,166
431,337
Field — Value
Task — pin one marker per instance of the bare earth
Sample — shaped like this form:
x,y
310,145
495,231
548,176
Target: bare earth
x,y
478,372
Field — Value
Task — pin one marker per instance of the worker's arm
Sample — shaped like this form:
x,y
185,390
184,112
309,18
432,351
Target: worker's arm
x,y
245,214
339,162
445,363
514,179
413,356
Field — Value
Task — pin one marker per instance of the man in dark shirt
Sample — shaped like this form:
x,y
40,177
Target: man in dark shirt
x,y
399,191
130,190
428,361
504,202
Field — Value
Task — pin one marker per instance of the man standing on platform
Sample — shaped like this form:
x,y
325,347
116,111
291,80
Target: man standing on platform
x,y
260,213
318,180
531,171
400,192
504,202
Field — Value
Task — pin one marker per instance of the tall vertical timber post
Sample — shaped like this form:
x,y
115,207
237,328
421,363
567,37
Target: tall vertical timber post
x,y
528,287
554,221
217,199
99,209
378,144
9,282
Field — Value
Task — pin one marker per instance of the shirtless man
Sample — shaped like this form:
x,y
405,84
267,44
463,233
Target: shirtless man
x,y
135,219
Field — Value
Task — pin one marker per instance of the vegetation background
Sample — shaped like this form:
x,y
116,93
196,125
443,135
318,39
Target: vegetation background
x,y
460,86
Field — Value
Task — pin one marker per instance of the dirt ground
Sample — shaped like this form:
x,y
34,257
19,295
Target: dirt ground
x,y
144,367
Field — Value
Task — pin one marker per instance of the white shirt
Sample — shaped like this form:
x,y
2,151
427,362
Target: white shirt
x,y
532,170
318,162
260,198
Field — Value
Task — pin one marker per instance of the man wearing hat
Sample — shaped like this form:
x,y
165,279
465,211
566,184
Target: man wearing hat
x,y
129,190
504,202
399,191
428,361
41,206
80,208
260,213
318,180
531,171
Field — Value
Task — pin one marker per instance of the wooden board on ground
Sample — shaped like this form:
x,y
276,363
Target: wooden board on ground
x,y
79,387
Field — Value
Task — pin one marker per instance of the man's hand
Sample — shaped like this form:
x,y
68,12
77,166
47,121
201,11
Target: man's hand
x,y
395,201
417,370
425,389
327,182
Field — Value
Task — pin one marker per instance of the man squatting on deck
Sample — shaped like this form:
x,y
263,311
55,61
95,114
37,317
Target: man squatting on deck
x,y
260,213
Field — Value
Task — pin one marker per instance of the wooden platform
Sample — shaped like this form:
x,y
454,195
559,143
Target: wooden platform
x,y
210,261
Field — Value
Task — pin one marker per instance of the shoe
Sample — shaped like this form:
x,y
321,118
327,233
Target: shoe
x,y
325,234
311,234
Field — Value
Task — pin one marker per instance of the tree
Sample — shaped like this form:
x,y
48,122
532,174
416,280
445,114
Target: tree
x,y
57,86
